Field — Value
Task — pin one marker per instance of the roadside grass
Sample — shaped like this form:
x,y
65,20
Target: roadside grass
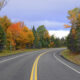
x,y
75,58
7,52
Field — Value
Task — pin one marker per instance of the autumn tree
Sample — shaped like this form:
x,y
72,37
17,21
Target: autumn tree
x,y
13,33
2,39
19,36
51,45
5,22
73,40
29,37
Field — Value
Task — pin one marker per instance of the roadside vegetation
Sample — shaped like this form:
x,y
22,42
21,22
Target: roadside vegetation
x,y
73,39
75,58
8,52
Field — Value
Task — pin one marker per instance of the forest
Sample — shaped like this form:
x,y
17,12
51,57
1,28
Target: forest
x,y
15,36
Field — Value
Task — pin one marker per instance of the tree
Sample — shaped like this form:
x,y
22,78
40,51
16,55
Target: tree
x,y
43,35
71,42
63,42
51,42
18,35
41,31
36,40
2,39
57,42
13,34
52,38
5,22
73,39
51,45
30,38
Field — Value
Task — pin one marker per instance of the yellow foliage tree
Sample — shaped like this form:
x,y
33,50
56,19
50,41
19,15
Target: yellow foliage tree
x,y
5,22
18,35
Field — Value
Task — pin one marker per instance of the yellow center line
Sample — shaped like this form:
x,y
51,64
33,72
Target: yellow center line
x,y
34,68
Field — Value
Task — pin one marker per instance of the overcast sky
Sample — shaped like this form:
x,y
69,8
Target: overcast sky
x,y
51,13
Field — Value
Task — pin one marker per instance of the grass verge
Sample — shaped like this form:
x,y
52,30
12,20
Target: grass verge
x,y
7,53
75,58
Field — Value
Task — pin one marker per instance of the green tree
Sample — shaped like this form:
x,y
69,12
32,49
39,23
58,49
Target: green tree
x,y
36,41
57,42
41,31
63,42
43,35
2,39
52,38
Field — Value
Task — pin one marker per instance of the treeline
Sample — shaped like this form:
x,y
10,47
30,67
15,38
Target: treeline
x,y
15,36
44,40
73,39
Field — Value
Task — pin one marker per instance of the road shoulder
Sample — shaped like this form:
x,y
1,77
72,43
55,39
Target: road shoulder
x,y
67,63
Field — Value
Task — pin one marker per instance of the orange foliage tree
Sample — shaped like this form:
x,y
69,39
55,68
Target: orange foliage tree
x,y
74,16
18,35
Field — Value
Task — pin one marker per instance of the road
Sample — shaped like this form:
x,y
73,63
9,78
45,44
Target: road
x,y
44,64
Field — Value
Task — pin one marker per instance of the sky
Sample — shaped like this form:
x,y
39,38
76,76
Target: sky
x,y
51,13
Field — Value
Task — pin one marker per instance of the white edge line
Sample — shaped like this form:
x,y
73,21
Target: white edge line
x,y
66,64
14,57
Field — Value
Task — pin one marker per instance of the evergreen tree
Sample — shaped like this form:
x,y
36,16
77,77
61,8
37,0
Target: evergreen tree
x,y
77,45
57,42
2,39
36,41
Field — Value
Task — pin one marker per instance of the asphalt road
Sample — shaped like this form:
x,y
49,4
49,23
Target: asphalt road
x,y
38,65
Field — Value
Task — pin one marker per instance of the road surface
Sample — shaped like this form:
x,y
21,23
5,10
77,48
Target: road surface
x,y
44,64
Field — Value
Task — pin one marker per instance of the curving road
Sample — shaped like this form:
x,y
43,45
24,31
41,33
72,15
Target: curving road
x,y
44,64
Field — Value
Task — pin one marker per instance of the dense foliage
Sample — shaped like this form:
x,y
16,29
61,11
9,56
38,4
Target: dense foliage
x,y
5,22
73,40
2,39
44,40
18,35
15,36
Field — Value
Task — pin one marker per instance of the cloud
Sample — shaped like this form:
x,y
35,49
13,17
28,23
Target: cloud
x,y
50,25
59,33
54,28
